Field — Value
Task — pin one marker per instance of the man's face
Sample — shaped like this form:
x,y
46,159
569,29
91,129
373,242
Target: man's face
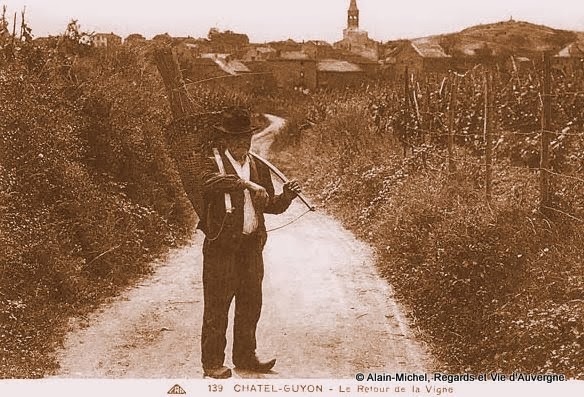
x,y
238,145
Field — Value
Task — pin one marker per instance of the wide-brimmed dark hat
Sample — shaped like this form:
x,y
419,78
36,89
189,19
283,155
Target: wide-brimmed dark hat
x,y
236,121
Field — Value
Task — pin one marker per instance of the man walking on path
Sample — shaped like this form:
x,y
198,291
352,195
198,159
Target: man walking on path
x,y
237,191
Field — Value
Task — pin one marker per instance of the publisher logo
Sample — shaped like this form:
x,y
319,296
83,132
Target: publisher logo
x,y
176,389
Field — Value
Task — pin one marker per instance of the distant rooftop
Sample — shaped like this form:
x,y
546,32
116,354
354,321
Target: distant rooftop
x,y
335,65
111,34
429,49
265,50
293,55
229,66
575,49
318,43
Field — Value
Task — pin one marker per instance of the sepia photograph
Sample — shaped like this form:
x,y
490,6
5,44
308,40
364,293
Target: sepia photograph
x,y
334,197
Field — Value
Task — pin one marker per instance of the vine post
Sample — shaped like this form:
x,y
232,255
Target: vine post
x,y
451,119
488,131
545,134
407,107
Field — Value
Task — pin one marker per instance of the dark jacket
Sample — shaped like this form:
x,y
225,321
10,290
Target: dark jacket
x,y
226,229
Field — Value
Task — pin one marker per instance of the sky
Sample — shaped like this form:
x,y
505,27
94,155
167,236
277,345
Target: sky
x,y
266,20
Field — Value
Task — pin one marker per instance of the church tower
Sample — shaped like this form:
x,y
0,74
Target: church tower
x,y
356,40
353,16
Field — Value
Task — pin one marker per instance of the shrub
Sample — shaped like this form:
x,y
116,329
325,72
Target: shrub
x,y
88,193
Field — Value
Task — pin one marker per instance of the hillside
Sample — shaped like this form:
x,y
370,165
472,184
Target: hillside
x,y
506,37
516,37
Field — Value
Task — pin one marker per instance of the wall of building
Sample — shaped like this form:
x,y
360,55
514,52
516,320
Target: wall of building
x,y
340,79
406,58
294,73
106,40
318,51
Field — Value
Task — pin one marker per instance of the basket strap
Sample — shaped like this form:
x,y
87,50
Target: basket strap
x,y
219,161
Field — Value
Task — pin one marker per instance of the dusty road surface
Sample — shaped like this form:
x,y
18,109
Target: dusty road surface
x,y
326,313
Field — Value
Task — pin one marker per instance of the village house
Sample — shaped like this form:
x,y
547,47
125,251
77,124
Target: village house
x,y
318,49
176,40
216,71
570,58
294,69
198,66
106,40
356,40
418,56
369,67
285,46
334,73
297,70
193,66
227,63
196,46
258,53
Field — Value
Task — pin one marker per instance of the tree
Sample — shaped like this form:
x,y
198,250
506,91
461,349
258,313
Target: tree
x,y
134,38
74,41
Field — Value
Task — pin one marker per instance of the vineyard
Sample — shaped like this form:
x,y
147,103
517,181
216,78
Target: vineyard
x,y
478,232
443,117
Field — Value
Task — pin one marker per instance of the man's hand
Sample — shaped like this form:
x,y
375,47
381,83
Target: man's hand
x,y
291,189
260,194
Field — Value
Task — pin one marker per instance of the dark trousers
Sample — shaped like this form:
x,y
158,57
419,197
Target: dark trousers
x,y
231,272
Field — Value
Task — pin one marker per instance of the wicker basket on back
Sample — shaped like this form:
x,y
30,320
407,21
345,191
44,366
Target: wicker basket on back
x,y
191,135
190,140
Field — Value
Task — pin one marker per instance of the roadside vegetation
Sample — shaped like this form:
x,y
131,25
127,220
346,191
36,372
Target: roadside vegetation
x,y
493,285
88,194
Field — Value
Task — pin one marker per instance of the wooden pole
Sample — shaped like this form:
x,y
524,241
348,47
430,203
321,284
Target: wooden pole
x,y
545,134
489,102
451,111
14,30
407,103
420,133
429,125
22,24
407,87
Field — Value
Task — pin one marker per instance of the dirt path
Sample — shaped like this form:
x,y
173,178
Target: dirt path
x,y
326,314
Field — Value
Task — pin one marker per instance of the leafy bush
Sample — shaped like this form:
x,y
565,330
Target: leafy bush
x,y
88,193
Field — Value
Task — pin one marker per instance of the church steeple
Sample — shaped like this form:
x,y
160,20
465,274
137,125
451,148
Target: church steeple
x,y
353,16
